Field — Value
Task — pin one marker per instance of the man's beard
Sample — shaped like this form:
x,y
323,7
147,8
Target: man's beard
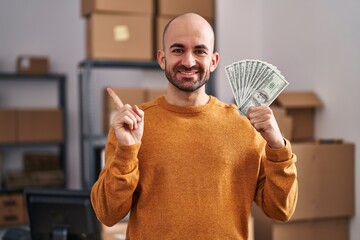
x,y
178,83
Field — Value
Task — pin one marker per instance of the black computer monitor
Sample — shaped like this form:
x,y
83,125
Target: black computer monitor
x,y
59,214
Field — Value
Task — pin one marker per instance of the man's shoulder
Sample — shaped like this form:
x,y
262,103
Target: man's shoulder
x,y
227,106
150,104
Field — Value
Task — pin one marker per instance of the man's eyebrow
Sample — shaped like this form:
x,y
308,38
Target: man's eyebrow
x,y
177,45
201,46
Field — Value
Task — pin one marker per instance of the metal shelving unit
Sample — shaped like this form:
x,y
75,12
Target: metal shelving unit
x,y
90,143
60,80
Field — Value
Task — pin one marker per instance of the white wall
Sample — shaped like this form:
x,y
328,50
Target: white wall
x,y
316,46
51,28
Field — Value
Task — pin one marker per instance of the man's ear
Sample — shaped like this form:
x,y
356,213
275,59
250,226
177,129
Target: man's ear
x,y
161,58
214,61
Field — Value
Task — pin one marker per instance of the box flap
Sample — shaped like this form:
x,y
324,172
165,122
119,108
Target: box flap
x,y
298,100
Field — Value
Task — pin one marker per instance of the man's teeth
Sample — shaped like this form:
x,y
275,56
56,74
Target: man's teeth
x,y
191,72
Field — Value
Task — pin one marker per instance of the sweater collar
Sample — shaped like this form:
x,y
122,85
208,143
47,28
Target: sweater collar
x,y
187,109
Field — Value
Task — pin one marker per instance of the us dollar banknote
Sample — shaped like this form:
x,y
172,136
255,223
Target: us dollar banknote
x,y
254,83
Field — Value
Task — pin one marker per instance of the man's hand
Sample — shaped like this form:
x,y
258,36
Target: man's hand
x,y
263,120
128,121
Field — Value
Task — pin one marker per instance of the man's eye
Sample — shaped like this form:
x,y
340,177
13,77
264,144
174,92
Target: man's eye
x,y
200,52
177,51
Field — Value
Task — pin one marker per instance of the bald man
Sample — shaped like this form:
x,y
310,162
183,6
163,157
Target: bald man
x,y
186,165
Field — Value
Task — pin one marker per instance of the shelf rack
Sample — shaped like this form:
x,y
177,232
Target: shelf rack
x,y
89,142
60,80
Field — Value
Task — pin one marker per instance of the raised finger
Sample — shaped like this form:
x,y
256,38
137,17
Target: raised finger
x,y
131,110
130,122
140,113
116,99
124,119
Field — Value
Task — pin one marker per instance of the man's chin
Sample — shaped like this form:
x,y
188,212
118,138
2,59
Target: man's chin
x,y
189,86
187,77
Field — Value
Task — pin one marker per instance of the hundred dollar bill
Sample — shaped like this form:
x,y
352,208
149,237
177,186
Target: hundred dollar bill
x,y
231,77
266,92
249,77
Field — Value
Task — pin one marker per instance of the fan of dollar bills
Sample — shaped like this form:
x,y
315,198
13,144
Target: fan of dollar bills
x,y
254,82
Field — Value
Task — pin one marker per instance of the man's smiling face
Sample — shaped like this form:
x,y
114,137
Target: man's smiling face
x,y
188,53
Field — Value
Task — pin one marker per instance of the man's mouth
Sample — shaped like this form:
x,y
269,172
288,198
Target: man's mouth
x,y
188,73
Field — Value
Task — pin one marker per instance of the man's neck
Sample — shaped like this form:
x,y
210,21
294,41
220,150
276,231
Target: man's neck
x,y
186,99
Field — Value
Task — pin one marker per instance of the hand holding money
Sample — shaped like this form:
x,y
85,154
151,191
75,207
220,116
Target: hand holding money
x,y
263,120
255,85
128,121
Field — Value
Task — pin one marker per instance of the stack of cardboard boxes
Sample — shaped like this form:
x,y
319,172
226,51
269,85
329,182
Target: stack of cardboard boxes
x,y
39,170
132,30
31,125
119,30
1,169
12,209
12,205
22,126
325,176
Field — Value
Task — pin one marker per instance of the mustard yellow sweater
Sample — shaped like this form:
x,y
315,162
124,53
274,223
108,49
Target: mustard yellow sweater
x,y
194,175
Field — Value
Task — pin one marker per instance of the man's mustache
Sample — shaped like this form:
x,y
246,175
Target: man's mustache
x,y
184,68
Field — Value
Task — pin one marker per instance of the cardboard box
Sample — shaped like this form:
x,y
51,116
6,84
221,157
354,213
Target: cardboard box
x,y
326,180
1,170
119,37
115,6
35,162
32,65
204,8
50,178
161,22
12,209
320,229
284,121
40,125
132,96
7,126
326,229
301,107
19,180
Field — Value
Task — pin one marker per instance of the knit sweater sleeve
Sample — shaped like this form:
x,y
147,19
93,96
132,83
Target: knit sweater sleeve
x,y
112,193
277,188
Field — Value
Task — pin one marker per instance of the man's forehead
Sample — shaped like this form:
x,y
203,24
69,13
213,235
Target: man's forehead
x,y
188,38
182,45
189,30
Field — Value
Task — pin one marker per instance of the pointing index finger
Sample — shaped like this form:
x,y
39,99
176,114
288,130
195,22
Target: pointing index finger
x,y
116,99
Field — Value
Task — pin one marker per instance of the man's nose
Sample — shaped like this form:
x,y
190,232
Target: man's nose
x,y
189,60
